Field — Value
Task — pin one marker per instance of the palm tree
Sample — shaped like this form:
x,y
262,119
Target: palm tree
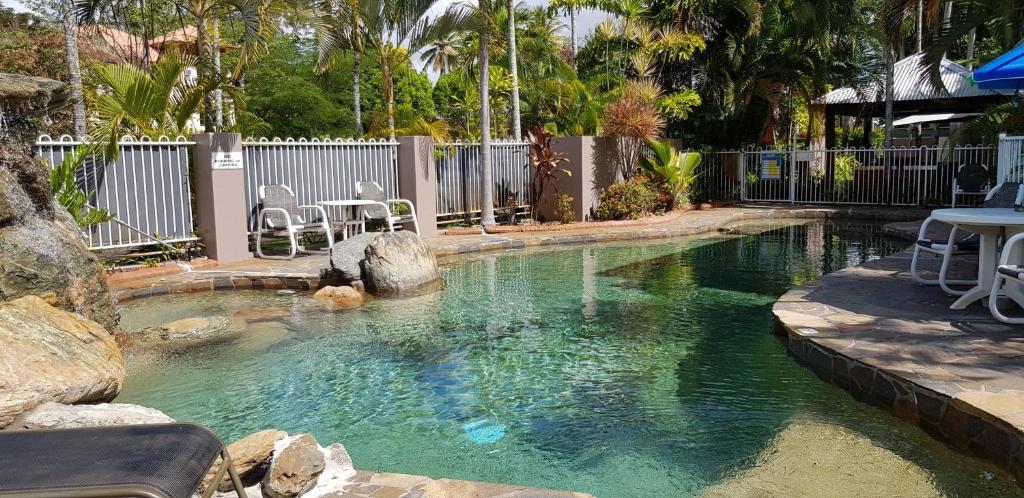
x,y
479,18
338,28
256,16
441,54
513,69
70,28
393,29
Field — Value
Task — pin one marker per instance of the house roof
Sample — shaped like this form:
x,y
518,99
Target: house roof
x,y
184,39
107,44
911,84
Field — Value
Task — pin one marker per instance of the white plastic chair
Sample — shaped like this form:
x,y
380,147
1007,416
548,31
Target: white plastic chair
x,y
1008,273
281,213
372,191
1002,196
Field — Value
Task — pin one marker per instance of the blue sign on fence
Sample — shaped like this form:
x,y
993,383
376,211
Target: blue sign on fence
x,y
771,166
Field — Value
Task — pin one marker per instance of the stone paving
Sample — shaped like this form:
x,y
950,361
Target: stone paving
x,y
873,331
303,272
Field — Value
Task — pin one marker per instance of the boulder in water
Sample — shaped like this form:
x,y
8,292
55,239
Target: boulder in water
x,y
347,256
397,262
341,297
297,463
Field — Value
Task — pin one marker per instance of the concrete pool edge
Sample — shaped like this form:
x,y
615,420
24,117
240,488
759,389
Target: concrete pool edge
x,y
940,371
301,273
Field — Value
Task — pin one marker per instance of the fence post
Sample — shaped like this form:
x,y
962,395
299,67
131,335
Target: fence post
x,y
792,175
417,180
743,176
220,196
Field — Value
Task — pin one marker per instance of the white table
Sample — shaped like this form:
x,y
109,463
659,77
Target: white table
x,y
987,223
359,222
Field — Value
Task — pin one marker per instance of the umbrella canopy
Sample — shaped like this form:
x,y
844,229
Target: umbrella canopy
x,y
1006,72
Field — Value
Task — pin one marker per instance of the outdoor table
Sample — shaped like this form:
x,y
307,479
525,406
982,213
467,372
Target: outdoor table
x,y
343,206
987,223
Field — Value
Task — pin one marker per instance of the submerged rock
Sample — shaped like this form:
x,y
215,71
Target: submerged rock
x,y
341,297
824,460
57,416
188,332
297,463
397,262
48,354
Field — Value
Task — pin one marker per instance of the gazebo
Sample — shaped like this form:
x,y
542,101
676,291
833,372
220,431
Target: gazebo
x,y
915,100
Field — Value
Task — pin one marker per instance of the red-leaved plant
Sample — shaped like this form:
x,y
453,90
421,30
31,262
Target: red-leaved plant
x,y
546,164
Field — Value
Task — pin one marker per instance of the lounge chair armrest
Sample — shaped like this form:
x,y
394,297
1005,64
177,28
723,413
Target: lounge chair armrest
x,y
1008,248
407,202
319,209
264,211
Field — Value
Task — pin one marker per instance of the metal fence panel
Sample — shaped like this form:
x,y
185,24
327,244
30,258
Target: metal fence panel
x,y
1011,159
317,170
459,170
147,189
896,176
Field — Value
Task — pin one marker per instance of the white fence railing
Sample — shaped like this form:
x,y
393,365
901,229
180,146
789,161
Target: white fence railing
x,y
1011,159
458,176
146,189
891,177
317,170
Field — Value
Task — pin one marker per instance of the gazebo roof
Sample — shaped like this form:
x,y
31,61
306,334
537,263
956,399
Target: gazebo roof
x,y
911,84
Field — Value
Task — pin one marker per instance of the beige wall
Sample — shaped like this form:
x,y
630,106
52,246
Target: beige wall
x,y
417,180
591,164
220,199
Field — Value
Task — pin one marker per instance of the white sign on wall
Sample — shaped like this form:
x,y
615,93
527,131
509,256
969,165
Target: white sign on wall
x,y
227,160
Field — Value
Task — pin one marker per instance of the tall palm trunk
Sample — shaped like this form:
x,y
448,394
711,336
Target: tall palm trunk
x,y
218,97
389,97
487,189
890,64
203,55
572,34
513,68
357,107
74,69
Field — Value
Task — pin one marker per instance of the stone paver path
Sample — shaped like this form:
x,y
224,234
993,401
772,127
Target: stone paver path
x,y
957,373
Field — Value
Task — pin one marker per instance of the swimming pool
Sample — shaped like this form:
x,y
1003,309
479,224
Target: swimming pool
x,y
639,369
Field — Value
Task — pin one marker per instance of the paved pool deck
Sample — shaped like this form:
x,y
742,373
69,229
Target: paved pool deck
x,y
303,272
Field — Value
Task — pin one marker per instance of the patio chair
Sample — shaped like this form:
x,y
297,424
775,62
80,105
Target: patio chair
x,y
1002,196
1007,273
970,179
372,191
147,461
281,214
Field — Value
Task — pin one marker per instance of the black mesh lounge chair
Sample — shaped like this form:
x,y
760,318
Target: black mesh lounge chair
x,y
149,461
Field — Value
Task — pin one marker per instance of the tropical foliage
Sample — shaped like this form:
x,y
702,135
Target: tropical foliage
x,y
678,170
71,196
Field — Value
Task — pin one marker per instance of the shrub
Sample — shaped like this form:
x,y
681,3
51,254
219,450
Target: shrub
x,y
629,200
563,209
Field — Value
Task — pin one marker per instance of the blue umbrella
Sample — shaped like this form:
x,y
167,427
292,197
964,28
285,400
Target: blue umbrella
x,y
1006,72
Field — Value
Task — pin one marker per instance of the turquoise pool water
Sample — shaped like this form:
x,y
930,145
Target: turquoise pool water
x,y
640,369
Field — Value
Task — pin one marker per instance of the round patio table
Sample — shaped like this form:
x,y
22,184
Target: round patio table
x,y
987,223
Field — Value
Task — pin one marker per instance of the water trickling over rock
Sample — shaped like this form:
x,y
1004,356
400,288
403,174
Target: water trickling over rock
x,y
41,249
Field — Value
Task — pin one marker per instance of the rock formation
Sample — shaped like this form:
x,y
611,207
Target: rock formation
x,y
41,249
397,262
47,354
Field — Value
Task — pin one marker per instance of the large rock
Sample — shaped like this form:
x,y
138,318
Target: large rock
x,y
397,262
188,332
51,415
41,249
47,354
347,256
341,297
250,456
297,463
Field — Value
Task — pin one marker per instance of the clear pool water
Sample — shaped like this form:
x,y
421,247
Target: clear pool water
x,y
640,369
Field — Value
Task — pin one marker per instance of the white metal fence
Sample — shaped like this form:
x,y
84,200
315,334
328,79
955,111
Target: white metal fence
x,y
458,176
146,189
892,177
317,170
1011,159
